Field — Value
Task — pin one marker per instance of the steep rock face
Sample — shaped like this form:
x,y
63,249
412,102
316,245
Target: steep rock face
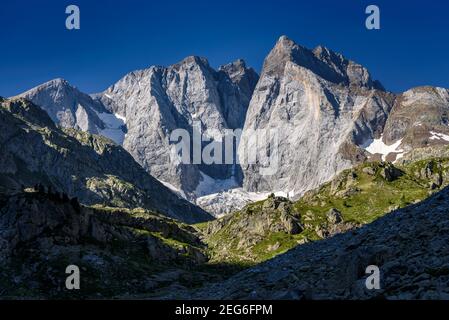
x,y
245,79
90,167
320,106
186,95
418,120
71,108
420,117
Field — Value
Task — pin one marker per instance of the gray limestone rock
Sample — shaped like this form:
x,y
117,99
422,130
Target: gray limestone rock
x,y
322,105
158,100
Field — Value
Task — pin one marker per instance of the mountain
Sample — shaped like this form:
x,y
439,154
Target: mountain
x,y
321,105
71,108
189,95
408,245
358,177
90,167
137,253
328,115
324,112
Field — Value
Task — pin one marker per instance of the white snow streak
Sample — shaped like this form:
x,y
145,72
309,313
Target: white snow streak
x,y
439,136
113,124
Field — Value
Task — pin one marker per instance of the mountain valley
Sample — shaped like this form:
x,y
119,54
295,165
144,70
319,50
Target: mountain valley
x,y
358,176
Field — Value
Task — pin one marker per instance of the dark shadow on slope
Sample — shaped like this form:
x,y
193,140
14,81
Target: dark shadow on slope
x,y
409,246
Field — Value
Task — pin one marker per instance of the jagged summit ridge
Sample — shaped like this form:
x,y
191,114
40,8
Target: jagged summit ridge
x,y
322,61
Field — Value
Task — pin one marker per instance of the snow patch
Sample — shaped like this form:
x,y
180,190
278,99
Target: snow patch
x,y
209,185
178,191
225,202
439,136
374,146
120,117
221,197
113,127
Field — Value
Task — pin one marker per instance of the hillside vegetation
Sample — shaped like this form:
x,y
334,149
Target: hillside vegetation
x,y
355,197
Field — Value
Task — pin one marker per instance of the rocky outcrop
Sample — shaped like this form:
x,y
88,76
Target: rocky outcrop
x,y
389,172
425,153
408,246
116,250
90,167
334,216
418,120
245,79
237,235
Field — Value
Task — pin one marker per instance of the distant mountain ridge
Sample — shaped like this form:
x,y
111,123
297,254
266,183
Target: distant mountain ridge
x,y
71,108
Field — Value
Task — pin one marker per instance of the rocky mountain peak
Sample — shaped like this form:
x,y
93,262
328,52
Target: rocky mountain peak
x,y
54,84
329,57
285,50
420,118
65,104
321,100
175,97
237,66
60,82
427,90
191,61
285,43
58,87
70,108
237,70
322,61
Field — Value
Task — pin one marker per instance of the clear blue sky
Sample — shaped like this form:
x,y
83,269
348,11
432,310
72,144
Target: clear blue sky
x,y
116,37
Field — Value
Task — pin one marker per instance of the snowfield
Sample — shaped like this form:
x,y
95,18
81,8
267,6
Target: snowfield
x,y
235,199
377,146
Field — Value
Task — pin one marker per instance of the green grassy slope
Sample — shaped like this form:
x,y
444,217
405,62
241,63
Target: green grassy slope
x,y
359,196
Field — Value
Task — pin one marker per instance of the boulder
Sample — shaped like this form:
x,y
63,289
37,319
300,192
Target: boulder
x,y
334,216
390,173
